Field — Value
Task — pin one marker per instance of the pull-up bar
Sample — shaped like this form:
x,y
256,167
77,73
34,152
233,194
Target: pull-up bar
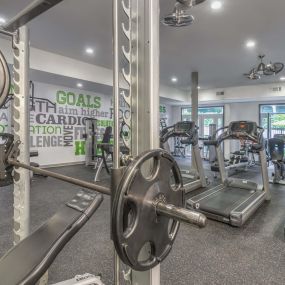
x,y
29,13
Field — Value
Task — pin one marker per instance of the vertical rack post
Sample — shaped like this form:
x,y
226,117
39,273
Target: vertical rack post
x,y
145,93
116,87
116,102
21,132
141,73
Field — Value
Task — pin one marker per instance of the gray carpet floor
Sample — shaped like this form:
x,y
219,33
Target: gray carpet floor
x,y
217,254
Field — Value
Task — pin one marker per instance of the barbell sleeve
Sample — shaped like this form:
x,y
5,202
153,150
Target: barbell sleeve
x,y
78,182
181,214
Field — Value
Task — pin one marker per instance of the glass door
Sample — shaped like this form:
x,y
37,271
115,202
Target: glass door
x,y
206,120
206,117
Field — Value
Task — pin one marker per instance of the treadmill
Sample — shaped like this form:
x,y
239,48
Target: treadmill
x,y
235,200
188,132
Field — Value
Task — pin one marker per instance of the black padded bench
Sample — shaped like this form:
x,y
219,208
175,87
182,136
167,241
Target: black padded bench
x,y
28,261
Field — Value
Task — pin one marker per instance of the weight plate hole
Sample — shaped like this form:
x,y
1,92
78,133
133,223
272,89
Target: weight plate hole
x,y
173,180
149,168
146,253
171,228
129,218
3,140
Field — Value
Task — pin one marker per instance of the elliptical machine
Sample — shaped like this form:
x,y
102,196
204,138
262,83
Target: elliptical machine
x,y
276,153
188,133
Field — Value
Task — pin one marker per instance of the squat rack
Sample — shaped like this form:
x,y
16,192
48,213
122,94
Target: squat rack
x,y
142,77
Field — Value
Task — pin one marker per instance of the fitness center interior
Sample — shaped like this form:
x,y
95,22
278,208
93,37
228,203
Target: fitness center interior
x,y
142,142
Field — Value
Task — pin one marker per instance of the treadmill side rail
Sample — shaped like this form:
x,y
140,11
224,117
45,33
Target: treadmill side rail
x,y
191,186
244,184
242,213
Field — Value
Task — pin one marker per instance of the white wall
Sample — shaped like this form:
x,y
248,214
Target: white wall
x,y
66,66
65,119
251,93
57,125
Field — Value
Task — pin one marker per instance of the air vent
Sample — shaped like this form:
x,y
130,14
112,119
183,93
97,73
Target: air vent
x,y
220,93
277,89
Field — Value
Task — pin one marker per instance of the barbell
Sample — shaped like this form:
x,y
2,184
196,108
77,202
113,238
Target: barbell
x,y
147,206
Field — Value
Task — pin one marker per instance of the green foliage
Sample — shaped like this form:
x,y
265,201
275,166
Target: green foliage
x,y
278,121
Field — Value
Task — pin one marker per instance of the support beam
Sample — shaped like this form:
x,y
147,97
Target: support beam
x,y
29,13
194,96
195,107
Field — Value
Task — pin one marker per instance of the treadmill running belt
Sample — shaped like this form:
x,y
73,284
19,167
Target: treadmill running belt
x,y
223,202
186,180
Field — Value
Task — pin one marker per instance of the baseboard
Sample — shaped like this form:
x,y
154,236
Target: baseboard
x,y
62,164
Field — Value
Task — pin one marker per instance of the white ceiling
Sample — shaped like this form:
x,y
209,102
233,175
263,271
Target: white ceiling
x,y
213,45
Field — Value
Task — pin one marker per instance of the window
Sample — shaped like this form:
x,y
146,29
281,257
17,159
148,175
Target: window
x,y
272,119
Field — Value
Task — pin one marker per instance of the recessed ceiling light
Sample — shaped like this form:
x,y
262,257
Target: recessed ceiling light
x,y
216,5
282,78
174,79
250,44
2,21
79,85
89,50
199,87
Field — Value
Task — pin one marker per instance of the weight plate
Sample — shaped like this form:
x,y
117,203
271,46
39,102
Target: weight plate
x,y
6,177
4,80
141,237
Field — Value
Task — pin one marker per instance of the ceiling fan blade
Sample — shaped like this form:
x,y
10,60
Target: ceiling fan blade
x,y
252,75
190,3
278,67
269,70
178,19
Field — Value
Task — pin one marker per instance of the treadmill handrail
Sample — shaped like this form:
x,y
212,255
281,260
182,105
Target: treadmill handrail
x,y
214,136
166,135
225,136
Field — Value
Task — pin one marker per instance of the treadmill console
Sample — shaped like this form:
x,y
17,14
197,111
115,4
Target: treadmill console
x,y
280,137
183,128
243,128
187,130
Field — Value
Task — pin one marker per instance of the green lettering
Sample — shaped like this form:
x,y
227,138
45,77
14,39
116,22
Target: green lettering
x,y
97,101
81,101
71,99
61,97
79,148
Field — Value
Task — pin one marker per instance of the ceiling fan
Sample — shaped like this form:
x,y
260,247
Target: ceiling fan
x,y
264,69
252,75
180,17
